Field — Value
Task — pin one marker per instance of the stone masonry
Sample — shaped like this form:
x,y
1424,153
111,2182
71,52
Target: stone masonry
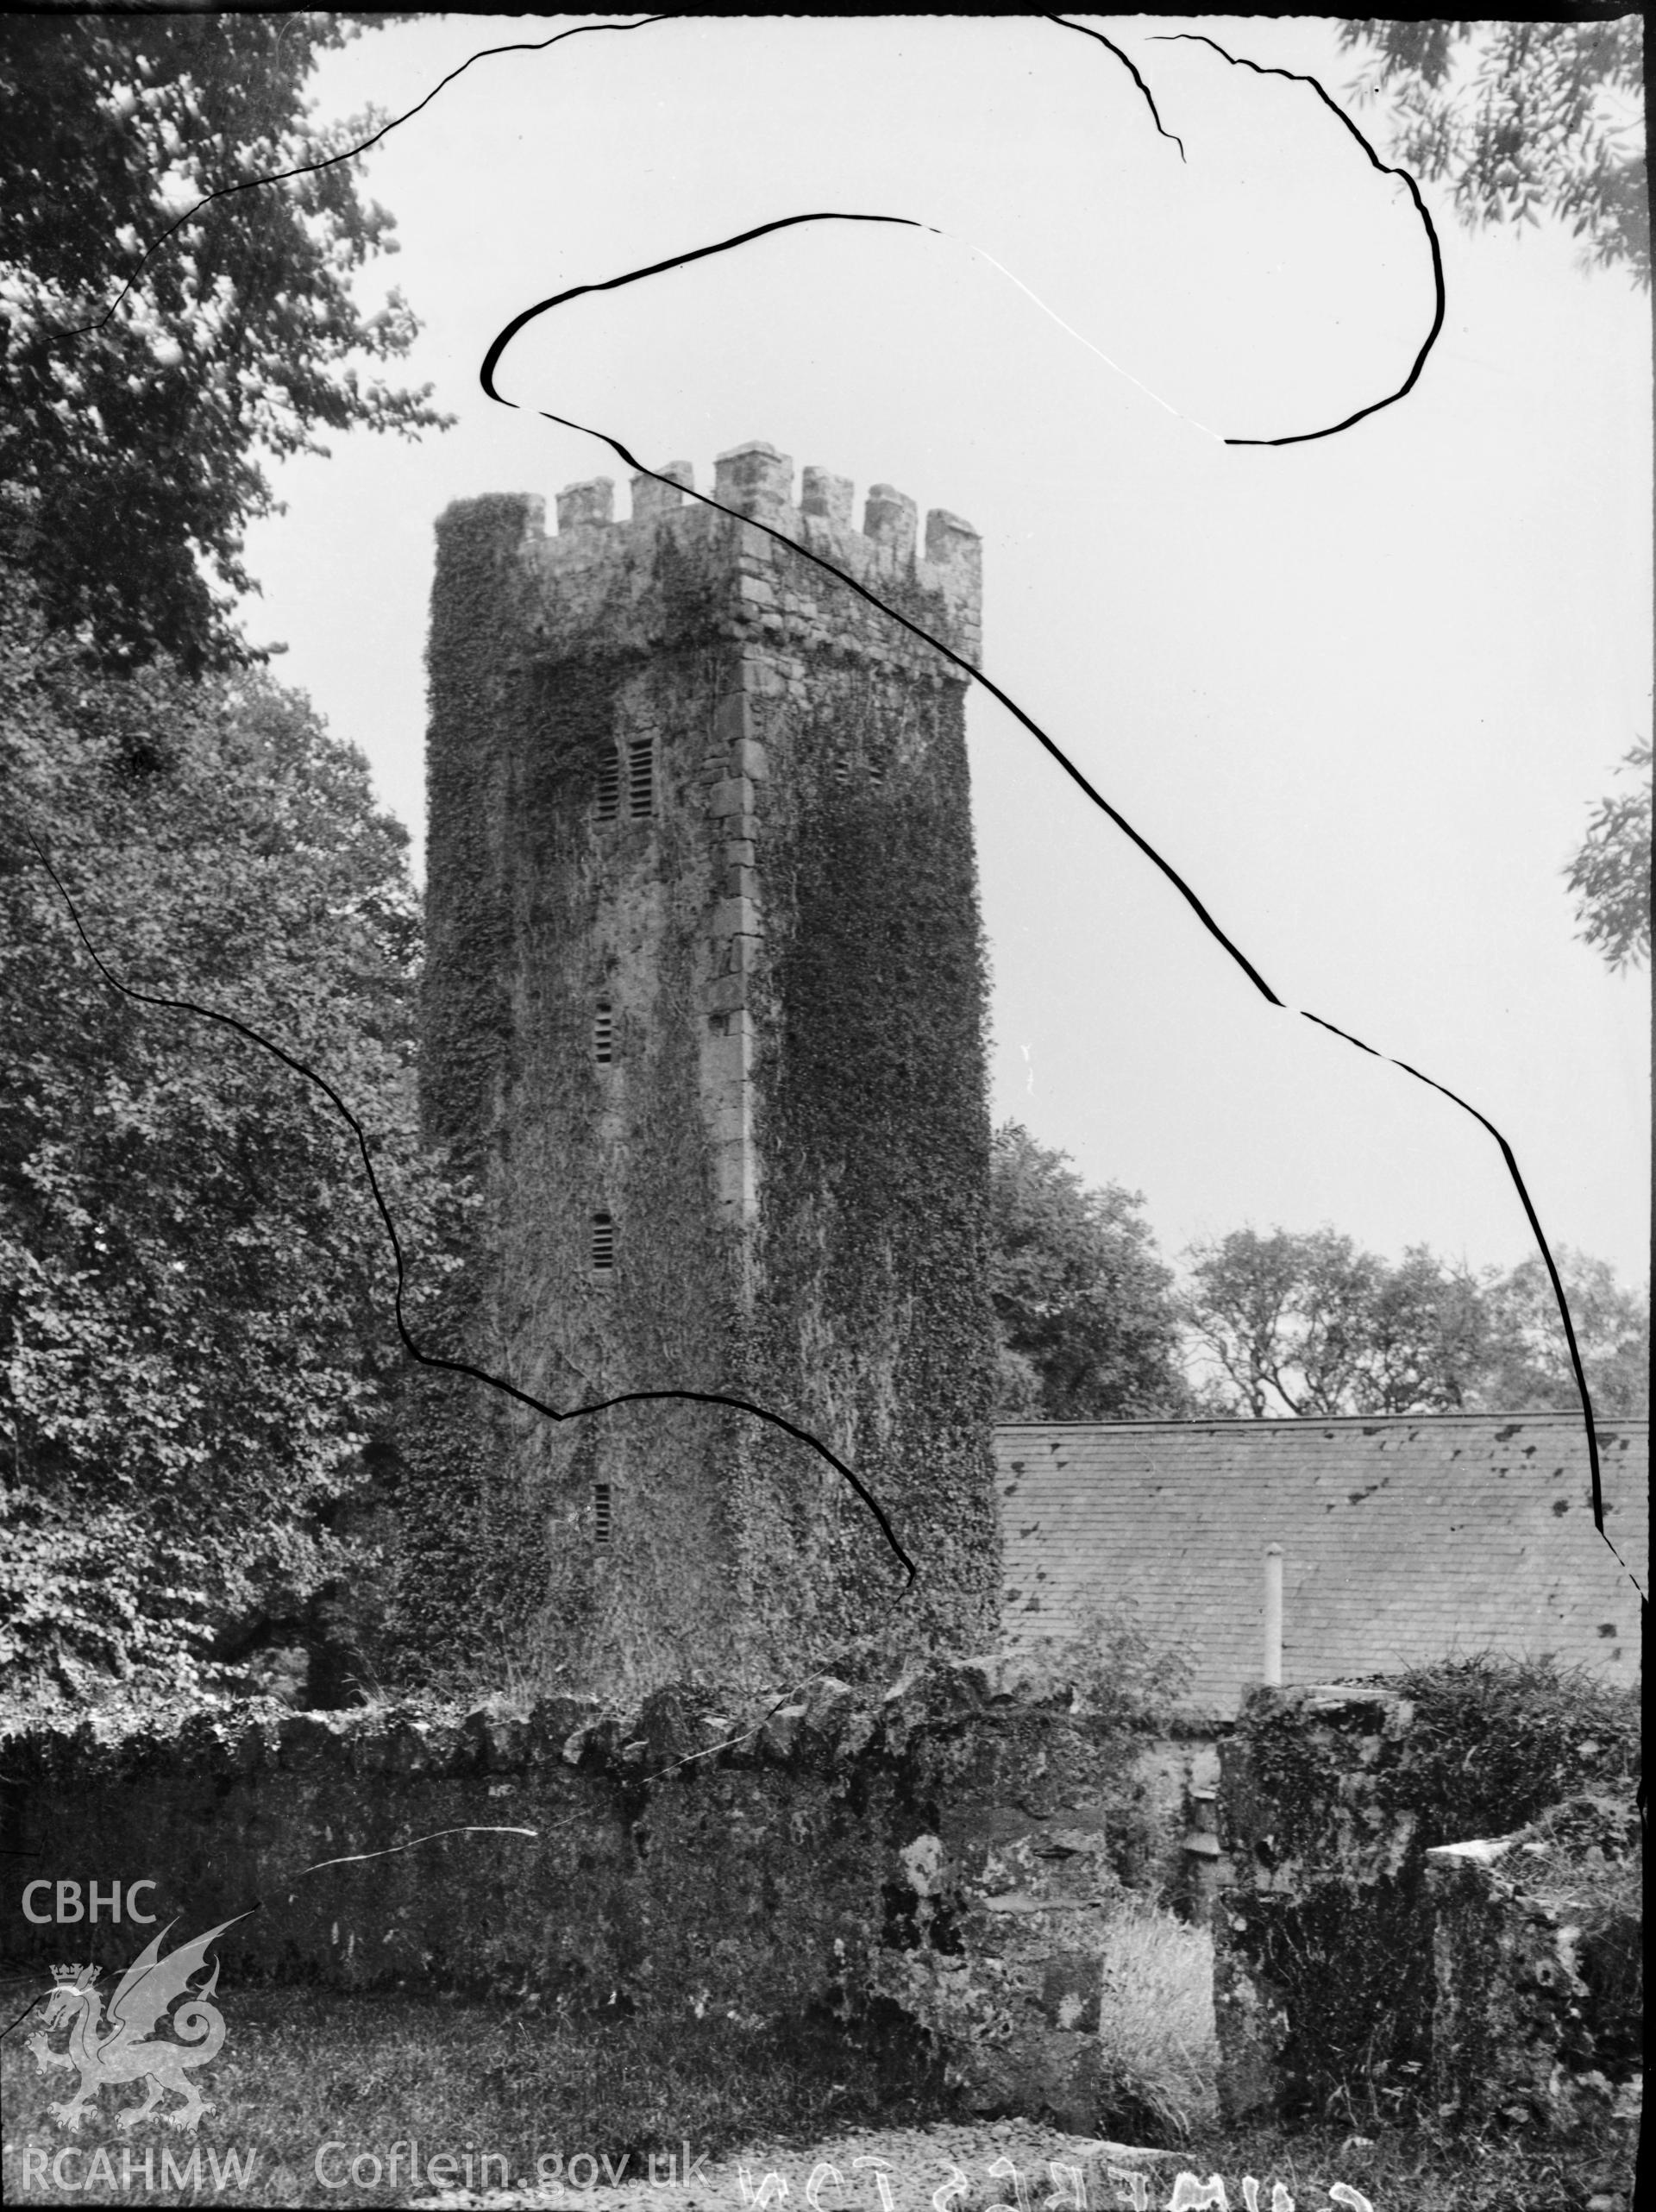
x,y
932,1852
704,1011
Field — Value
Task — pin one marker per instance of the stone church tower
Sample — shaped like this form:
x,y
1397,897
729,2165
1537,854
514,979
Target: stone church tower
x,y
704,1010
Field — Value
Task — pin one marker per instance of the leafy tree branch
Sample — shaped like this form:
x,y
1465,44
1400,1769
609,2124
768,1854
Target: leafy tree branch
x,y
1522,120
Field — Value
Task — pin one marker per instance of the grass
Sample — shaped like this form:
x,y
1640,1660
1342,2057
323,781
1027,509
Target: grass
x,y
1157,2019
1416,2170
303,2067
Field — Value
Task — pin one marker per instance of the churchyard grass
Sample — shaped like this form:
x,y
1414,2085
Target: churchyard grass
x,y
307,2066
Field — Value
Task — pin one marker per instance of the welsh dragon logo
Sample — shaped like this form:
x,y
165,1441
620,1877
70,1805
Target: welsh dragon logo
x,y
121,2048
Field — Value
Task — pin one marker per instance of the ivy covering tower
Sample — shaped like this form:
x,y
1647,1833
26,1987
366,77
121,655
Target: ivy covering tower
x,y
704,1010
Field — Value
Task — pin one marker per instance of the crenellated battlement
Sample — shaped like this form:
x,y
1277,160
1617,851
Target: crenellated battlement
x,y
889,555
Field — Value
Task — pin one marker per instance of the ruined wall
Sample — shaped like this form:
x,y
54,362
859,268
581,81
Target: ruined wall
x,y
926,1851
785,1128
1537,1960
1327,1940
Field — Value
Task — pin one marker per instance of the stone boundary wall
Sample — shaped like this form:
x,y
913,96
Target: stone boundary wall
x,y
1366,1964
1538,1968
933,1859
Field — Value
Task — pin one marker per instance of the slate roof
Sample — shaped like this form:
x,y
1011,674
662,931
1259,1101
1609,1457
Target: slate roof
x,y
1403,1539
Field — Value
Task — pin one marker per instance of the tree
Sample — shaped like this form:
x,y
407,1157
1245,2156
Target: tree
x,y
195,1289
1307,1325
1610,875
140,386
1427,1338
1529,1364
1087,1327
1521,117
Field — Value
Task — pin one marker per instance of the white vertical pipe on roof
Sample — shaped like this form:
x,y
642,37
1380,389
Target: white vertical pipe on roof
x,y
1273,1674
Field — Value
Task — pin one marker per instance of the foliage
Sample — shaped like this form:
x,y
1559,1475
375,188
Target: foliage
x,y
1611,874
1528,1363
1465,1747
1496,1741
195,1290
1305,1323
1309,1324
1087,1327
134,414
1122,1681
1521,117
872,1142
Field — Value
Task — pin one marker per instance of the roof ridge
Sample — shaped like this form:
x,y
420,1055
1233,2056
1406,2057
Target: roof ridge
x,y
1325,1420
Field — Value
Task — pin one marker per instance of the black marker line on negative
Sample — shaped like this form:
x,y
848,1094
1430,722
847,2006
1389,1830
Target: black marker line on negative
x,y
914,629
1126,60
976,675
1345,1034
428,1359
1507,1154
1297,77
491,359
485,54
1510,1158
314,168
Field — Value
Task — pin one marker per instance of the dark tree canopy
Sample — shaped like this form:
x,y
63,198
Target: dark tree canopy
x,y
1524,119
133,417
1087,1327
196,1332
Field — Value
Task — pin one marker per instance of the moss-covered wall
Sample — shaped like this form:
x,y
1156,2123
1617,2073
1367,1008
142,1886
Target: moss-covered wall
x,y
467,1537
792,1136
924,1844
1331,1799
1538,1961
870,1313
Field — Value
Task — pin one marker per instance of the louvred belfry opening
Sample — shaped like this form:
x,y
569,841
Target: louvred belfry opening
x,y
603,1244
641,777
603,1513
604,1033
607,786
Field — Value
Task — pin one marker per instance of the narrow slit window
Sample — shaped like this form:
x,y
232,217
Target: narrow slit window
x,y
603,1513
603,1244
641,777
608,788
604,1033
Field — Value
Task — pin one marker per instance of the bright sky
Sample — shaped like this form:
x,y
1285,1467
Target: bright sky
x,y
1362,693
